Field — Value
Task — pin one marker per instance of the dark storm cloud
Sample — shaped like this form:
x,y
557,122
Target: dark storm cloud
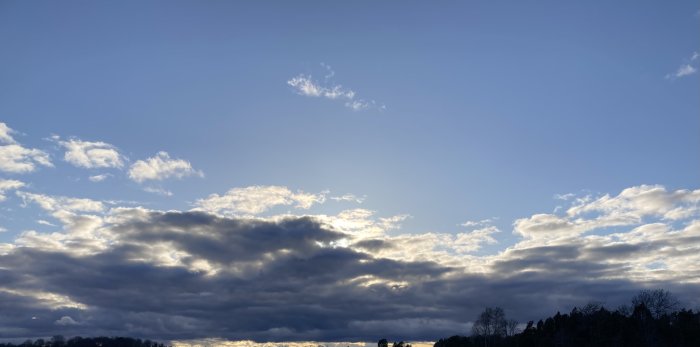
x,y
277,281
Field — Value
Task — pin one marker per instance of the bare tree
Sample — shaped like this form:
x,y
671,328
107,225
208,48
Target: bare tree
x,y
511,327
490,324
658,301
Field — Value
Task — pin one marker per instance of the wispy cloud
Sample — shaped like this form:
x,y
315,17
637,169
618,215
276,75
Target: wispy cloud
x,y
99,178
686,69
157,190
306,85
349,197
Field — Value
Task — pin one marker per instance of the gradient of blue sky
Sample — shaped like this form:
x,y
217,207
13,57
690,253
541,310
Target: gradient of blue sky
x,y
491,109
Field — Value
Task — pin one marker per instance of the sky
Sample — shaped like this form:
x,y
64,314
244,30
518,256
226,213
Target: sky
x,y
316,171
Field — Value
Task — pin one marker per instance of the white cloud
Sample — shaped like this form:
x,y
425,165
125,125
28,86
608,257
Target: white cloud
x,y
257,199
44,222
479,223
161,167
629,207
6,185
17,159
66,321
685,69
159,191
2,230
92,154
62,203
349,197
81,219
307,86
6,134
98,178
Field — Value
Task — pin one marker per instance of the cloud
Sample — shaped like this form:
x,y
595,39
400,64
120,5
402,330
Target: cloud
x,y
159,191
99,178
257,199
17,159
349,197
161,167
480,223
685,69
66,320
47,223
344,277
6,134
307,86
6,185
91,155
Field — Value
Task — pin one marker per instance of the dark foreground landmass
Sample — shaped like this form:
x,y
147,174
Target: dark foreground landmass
x,y
599,328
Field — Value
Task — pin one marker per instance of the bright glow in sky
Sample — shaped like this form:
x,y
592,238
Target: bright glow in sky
x,y
326,171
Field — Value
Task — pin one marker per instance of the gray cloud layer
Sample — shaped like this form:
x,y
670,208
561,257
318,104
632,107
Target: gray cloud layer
x,y
185,275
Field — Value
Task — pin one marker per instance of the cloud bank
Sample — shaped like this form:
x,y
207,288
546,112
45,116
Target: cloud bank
x,y
345,277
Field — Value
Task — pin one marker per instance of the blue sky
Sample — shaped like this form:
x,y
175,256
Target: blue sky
x,y
465,111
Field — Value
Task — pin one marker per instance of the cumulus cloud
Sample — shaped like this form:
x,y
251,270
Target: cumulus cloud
x,y
257,199
307,86
90,155
161,167
14,158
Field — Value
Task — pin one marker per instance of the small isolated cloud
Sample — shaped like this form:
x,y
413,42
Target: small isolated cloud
x,y
99,178
161,167
479,223
307,86
91,155
66,321
6,185
14,158
349,197
47,223
257,199
686,69
159,191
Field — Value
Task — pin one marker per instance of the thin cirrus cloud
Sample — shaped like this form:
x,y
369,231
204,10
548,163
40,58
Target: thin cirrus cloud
x,y
14,158
160,167
306,85
212,268
90,155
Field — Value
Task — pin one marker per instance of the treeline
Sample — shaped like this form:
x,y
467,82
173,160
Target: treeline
x,y
60,341
652,320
